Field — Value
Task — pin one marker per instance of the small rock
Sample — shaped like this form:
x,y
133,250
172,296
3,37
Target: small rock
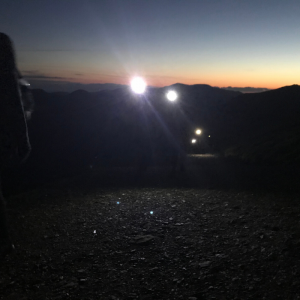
x,y
81,271
204,264
82,281
142,239
70,284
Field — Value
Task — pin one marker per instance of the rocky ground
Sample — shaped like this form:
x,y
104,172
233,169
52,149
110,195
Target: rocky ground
x,y
216,232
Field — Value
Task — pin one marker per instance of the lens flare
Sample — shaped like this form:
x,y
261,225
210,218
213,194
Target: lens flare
x,y
171,95
138,85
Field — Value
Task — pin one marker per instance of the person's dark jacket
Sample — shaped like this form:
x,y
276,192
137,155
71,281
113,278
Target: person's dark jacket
x,y
14,142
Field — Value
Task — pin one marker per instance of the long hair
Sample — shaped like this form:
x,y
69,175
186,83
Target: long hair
x,y
8,65
14,142
7,54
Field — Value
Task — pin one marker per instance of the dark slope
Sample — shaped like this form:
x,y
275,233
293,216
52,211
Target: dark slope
x,y
264,126
81,130
76,130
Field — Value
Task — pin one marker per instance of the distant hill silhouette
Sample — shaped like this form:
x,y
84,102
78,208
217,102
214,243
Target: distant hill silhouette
x,y
264,126
79,130
246,89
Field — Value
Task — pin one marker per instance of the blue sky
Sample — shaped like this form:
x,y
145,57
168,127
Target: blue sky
x,y
220,43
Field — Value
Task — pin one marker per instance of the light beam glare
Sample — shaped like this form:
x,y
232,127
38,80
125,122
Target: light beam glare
x,y
138,85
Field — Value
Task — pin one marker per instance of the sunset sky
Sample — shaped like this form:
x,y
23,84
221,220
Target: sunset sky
x,y
221,43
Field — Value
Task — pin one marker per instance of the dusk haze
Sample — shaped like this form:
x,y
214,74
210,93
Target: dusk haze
x,y
219,43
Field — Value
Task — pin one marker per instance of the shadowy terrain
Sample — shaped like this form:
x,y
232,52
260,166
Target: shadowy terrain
x,y
222,230
109,128
89,224
264,127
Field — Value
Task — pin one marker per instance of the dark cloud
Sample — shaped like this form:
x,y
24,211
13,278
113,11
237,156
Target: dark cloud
x,y
43,77
246,89
67,86
30,72
39,80
35,74
55,50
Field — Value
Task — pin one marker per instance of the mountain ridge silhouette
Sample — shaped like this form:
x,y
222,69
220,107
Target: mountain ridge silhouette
x,y
72,131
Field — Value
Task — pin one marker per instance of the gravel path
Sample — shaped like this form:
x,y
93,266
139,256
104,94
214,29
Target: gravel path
x,y
75,240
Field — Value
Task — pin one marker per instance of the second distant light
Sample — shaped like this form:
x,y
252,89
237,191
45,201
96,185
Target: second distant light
x,y
171,95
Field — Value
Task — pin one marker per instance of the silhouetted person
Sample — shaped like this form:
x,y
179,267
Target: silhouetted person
x,y
14,143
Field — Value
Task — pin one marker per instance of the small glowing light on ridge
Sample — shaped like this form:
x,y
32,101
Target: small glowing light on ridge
x,y
171,95
194,141
118,202
151,212
138,85
198,131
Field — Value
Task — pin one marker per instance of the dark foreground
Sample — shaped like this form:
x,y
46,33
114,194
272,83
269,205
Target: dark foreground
x,y
220,231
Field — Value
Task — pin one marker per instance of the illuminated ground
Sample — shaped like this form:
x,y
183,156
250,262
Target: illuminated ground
x,y
81,239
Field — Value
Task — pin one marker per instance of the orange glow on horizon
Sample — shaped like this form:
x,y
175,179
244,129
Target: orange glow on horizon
x,y
272,81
